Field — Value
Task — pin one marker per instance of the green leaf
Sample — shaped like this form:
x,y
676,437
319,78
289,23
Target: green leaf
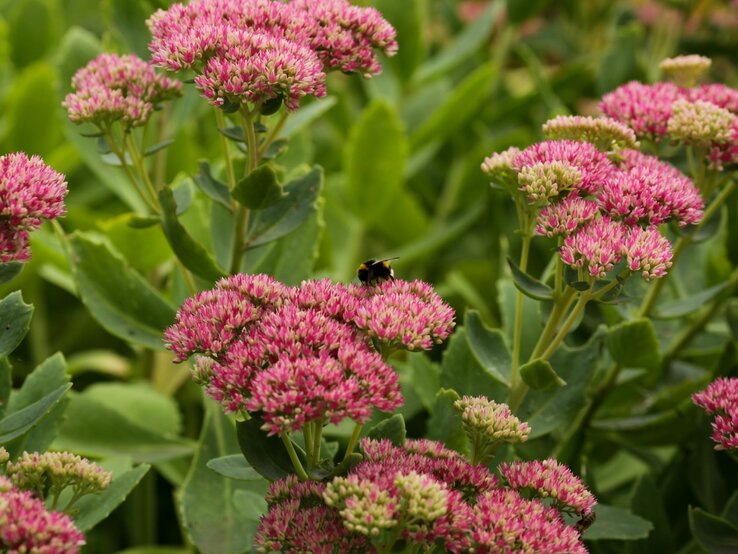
x,y
34,28
634,344
392,428
615,523
96,507
143,222
117,296
375,161
306,115
289,213
679,308
488,346
141,403
212,187
15,320
155,550
266,454
18,423
528,285
730,512
259,189
713,533
6,384
465,44
462,105
250,504
407,18
208,513
234,466
445,424
93,429
190,252
662,428
538,374
462,371
647,501
9,271
151,150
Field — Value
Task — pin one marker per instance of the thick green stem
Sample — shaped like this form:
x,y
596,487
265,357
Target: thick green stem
x,y
138,162
317,435
230,172
680,245
274,133
566,326
120,154
301,473
242,212
518,330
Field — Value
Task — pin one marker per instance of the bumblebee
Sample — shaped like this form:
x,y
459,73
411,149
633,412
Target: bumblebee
x,y
372,272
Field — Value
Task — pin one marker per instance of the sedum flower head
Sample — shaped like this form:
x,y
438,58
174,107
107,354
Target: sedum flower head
x,y
487,421
26,527
503,521
55,471
647,252
345,36
720,399
113,87
404,314
644,108
719,94
564,217
499,166
30,192
544,180
364,508
605,133
423,498
700,122
596,247
686,71
550,479
592,164
4,456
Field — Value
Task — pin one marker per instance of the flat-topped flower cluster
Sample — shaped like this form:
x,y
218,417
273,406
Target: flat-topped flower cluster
x,y
257,51
30,192
720,400
701,115
306,353
427,495
604,206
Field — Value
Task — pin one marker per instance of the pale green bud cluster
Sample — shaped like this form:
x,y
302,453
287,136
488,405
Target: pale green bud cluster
x,y
363,507
606,134
700,122
424,498
686,71
4,456
545,180
51,472
500,168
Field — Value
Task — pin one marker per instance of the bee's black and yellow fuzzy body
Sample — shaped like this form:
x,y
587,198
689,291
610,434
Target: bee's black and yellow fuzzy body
x,y
372,272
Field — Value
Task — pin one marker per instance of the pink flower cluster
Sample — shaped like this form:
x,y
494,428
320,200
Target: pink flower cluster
x,y
426,495
27,527
255,51
720,399
302,354
30,191
648,110
113,87
612,212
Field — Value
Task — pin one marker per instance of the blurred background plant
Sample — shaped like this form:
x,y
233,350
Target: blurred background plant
x,y
401,154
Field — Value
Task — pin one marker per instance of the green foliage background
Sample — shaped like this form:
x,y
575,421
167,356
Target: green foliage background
x,y
401,155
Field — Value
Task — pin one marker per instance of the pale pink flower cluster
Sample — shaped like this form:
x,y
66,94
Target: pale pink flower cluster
x,y
720,399
26,526
113,87
302,354
605,133
421,493
565,217
704,114
30,191
256,51
550,479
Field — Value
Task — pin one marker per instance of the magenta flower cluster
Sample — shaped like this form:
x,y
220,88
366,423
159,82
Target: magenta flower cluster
x,y
648,110
113,87
30,191
427,495
26,526
255,51
304,354
720,400
613,211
